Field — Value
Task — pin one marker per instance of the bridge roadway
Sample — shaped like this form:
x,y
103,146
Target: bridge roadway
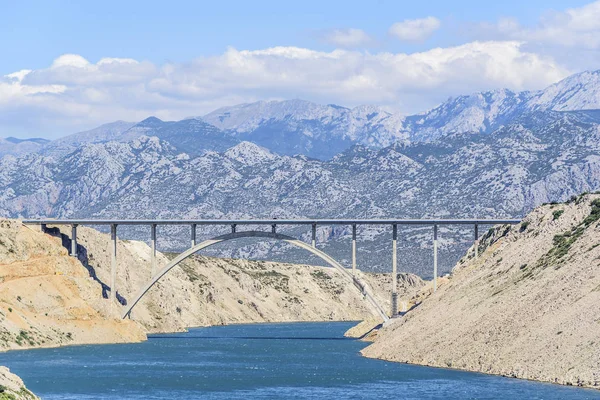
x,y
113,223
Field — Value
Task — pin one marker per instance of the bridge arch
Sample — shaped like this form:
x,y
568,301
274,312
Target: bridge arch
x,y
258,234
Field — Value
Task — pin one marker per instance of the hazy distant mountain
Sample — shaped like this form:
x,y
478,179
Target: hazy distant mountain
x,y
14,146
103,133
301,127
292,127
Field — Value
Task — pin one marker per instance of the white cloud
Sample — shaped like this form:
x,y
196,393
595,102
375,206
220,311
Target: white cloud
x,y
74,93
574,27
348,38
415,30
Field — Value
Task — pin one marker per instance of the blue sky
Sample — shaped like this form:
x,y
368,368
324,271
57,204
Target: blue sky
x,y
36,32
69,65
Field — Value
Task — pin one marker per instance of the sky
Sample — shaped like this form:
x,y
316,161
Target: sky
x,y
69,66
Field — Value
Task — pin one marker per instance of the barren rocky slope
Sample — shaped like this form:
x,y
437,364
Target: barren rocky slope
x,y
526,308
12,387
48,299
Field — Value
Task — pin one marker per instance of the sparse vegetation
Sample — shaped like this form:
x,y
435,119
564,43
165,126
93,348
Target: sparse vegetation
x,y
524,226
563,243
556,214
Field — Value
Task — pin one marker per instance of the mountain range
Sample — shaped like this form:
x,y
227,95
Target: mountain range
x,y
491,154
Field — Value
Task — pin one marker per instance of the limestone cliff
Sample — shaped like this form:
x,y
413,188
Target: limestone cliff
x,y
526,308
12,387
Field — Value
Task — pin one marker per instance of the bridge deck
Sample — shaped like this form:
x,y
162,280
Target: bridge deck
x,y
272,221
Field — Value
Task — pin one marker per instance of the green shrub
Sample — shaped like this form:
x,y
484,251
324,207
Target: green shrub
x,y
556,214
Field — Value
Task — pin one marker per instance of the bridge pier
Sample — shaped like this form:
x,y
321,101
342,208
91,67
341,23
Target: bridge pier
x,y
314,235
353,249
476,241
193,227
435,256
394,309
113,264
274,228
153,248
74,240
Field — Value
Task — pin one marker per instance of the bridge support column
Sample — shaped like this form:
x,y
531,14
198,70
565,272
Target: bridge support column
x,y
113,264
74,240
476,241
193,235
314,235
274,228
394,270
353,249
435,256
233,226
153,247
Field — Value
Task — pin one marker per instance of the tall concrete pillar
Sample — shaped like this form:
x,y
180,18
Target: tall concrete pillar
x,y
476,240
233,226
314,235
435,256
193,227
74,240
354,249
274,228
153,246
113,264
394,270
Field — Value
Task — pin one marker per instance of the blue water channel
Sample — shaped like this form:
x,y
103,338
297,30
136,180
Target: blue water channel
x,y
266,361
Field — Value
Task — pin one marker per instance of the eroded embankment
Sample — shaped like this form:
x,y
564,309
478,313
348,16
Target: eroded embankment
x,y
526,308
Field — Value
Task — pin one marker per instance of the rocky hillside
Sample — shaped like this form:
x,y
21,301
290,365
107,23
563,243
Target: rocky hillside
x,y
526,308
48,298
12,387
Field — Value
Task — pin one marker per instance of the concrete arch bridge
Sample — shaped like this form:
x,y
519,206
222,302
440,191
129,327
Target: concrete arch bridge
x,y
349,275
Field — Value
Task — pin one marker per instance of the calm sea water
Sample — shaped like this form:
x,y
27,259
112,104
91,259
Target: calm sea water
x,y
270,361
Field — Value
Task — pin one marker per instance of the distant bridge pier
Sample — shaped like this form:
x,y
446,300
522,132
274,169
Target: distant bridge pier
x,y
74,240
113,264
476,241
353,249
153,248
193,231
435,256
314,235
394,309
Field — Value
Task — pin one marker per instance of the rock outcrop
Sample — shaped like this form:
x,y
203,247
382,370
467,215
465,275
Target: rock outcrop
x,y
526,308
12,387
